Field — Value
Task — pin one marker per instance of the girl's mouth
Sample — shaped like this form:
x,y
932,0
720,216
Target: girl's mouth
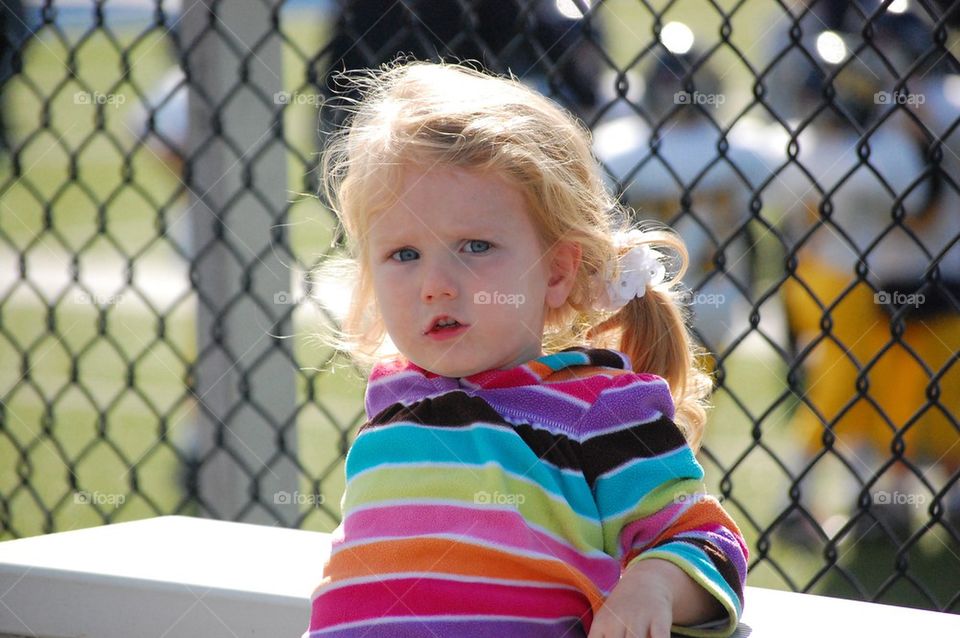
x,y
445,328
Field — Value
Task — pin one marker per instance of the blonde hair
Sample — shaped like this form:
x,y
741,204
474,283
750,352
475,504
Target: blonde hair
x,y
419,113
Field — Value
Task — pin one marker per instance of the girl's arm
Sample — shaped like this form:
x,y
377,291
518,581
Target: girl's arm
x,y
657,520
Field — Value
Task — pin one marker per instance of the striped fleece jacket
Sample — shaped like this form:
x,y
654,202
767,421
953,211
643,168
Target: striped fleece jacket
x,y
506,503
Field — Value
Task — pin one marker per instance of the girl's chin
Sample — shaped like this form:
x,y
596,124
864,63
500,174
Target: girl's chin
x,y
450,366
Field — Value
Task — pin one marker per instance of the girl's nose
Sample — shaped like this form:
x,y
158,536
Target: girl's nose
x,y
438,283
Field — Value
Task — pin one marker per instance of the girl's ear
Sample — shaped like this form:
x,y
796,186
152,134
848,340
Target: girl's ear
x,y
564,264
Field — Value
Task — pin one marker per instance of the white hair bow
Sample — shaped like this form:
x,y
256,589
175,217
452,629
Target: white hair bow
x,y
640,267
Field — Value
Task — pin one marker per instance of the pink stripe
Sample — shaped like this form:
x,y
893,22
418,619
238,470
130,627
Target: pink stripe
x,y
588,389
504,378
641,533
411,597
583,389
387,367
505,529
637,535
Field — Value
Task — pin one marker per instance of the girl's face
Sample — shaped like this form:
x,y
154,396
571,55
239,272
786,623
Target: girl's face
x,y
458,247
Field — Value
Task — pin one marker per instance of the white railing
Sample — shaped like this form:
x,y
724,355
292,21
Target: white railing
x,y
171,576
181,577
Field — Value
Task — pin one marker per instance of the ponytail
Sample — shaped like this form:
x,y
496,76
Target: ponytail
x,y
652,330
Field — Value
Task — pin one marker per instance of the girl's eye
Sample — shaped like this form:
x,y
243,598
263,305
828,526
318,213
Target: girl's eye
x,y
477,246
404,254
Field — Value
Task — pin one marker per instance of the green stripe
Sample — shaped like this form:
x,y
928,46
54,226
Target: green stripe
x,y
651,503
480,444
473,486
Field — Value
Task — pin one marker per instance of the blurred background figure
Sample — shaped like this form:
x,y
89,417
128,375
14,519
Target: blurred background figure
x,y
855,214
549,45
933,326
670,167
792,86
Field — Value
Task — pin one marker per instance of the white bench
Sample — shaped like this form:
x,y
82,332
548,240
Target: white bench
x,y
180,577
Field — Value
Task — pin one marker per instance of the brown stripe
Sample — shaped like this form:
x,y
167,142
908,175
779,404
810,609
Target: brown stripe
x,y
555,449
457,410
599,356
453,409
607,452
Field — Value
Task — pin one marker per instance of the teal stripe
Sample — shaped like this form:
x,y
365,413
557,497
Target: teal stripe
x,y
561,360
624,488
406,444
702,564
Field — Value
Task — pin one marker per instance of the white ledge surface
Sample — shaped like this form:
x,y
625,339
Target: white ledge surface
x,y
181,577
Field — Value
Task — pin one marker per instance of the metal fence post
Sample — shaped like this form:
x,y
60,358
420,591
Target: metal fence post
x,y
236,171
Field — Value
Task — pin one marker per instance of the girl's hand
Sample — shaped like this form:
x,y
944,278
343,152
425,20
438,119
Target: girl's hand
x,y
651,595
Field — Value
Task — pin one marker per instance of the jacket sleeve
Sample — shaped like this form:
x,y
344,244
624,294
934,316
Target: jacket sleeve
x,y
650,495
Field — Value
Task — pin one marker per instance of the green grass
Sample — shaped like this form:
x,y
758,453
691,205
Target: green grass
x,y
69,448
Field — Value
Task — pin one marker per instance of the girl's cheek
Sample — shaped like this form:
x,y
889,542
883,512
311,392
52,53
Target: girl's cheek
x,y
382,272
394,276
381,284
393,283
489,268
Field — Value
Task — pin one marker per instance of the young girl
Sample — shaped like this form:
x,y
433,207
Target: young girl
x,y
516,476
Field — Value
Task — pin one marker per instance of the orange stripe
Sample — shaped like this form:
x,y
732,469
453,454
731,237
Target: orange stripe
x,y
540,369
701,514
444,556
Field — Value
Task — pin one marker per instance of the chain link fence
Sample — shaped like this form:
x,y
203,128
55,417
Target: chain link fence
x,y
159,231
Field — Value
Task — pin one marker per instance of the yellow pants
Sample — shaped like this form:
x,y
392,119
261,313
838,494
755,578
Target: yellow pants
x,y
895,395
